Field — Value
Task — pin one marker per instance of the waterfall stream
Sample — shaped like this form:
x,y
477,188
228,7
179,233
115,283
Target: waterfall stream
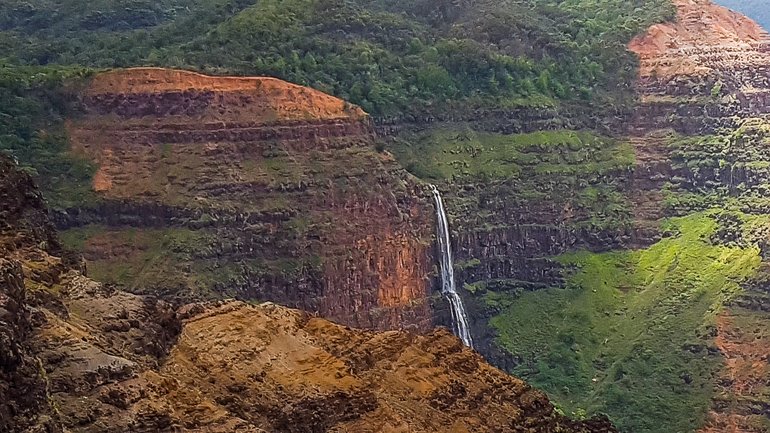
x,y
448,289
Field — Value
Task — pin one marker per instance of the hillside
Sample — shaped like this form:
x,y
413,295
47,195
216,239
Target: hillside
x,y
78,356
391,58
646,244
603,164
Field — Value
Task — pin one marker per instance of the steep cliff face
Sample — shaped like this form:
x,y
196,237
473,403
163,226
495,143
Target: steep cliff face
x,y
705,87
24,228
644,240
77,356
516,201
248,187
61,333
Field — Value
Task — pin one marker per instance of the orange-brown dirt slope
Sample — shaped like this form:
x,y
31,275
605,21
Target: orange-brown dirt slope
x,y
705,37
708,66
276,369
252,188
83,358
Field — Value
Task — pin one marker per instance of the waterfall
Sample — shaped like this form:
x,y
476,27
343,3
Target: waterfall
x,y
448,289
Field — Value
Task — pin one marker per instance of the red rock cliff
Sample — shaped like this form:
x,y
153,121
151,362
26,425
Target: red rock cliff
x,y
269,191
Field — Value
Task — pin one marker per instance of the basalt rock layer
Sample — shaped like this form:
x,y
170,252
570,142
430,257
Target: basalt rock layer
x,y
705,71
78,356
62,334
702,125
248,187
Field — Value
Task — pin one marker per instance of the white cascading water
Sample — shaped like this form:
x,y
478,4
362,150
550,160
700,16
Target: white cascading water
x,y
459,317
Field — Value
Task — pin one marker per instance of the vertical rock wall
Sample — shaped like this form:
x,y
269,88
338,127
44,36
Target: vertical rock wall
x,y
276,189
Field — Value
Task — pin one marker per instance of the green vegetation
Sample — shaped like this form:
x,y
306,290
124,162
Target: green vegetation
x,y
464,154
579,171
630,333
387,56
159,261
728,169
136,258
32,106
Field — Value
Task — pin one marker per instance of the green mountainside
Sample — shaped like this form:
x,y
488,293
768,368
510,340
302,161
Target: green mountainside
x,y
390,57
596,281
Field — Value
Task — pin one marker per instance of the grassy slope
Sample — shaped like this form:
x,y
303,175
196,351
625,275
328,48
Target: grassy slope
x,y
578,170
631,333
463,154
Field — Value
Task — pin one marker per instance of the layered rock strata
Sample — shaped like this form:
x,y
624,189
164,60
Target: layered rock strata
x,y
702,127
81,357
256,188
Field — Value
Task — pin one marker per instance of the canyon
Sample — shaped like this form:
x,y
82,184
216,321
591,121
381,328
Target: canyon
x,y
644,233
80,356
601,229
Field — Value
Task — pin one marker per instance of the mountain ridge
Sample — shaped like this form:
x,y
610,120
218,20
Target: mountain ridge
x,y
756,9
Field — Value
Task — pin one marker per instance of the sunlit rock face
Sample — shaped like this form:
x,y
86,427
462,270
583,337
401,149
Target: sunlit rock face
x,y
702,71
758,10
253,188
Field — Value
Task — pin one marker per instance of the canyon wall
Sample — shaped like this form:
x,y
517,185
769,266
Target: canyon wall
x,y
705,91
590,227
248,187
78,356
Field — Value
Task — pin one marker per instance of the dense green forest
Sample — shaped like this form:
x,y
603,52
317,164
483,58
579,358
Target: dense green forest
x,y
33,103
389,56
392,57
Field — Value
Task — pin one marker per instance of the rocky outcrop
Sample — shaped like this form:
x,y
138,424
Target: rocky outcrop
x,y
702,72
78,356
24,229
25,405
277,189
275,369
60,332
